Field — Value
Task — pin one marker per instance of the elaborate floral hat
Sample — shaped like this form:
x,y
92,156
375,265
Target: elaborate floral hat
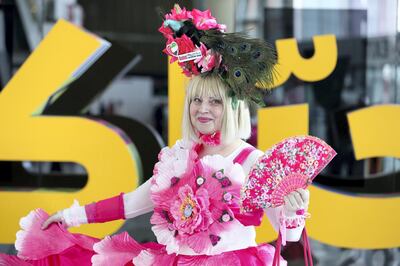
x,y
201,46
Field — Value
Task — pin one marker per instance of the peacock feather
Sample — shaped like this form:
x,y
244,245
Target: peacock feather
x,y
246,61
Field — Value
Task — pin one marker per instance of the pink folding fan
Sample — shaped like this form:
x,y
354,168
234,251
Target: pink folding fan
x,y
289,165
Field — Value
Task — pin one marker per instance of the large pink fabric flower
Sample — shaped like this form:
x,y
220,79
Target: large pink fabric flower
x,y
193,207
204,21
191,210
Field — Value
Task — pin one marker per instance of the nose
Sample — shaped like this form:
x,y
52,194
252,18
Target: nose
x,y
204,107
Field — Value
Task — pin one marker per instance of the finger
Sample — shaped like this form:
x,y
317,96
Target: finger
x,y
292,200
299,200
305,195
288,204
49,221
46,224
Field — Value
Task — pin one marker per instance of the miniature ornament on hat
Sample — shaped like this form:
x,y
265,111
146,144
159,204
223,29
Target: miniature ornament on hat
x,y
201,46
173,49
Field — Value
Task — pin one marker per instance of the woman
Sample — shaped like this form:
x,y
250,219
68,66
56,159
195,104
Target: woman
x,y
195,189
201,231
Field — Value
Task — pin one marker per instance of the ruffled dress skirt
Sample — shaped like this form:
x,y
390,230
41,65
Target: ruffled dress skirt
x,y
56,246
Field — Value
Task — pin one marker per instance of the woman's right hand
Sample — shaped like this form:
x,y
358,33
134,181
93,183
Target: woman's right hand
x,y
55,218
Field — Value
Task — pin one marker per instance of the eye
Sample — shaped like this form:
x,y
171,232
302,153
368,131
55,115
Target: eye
x,y
216,101
196,100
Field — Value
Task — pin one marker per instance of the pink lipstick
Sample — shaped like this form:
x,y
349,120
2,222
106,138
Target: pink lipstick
x,y
204,119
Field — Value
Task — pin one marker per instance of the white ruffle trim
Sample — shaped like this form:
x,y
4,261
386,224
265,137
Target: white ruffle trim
x,y
25,223
166,237
172,163
218,162
291,225
75,215
144,258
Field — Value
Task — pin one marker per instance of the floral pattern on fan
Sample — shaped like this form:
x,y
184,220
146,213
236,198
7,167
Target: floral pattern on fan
x,y
289,165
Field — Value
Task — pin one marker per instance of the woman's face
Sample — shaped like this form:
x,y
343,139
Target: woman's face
x,y
206,114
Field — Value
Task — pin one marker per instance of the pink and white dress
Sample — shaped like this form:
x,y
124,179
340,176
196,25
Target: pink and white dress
x,y
196,219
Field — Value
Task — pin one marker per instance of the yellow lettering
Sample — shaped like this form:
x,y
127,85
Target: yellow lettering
x,y
318,67
177,83
375,131
359,221
108,160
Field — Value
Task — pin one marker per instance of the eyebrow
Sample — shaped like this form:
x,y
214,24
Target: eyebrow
x,y
215,98
210,97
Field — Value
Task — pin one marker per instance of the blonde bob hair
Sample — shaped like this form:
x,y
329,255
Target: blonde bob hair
x,y
235,122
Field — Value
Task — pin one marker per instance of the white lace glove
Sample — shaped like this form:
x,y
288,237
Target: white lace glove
x,y
70,217
296,203
293,214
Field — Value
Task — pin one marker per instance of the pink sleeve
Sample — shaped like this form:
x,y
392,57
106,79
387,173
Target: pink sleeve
x,y
123,206
106,210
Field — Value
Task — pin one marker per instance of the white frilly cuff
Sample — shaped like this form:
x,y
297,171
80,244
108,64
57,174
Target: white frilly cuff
x,y
75,215
291,225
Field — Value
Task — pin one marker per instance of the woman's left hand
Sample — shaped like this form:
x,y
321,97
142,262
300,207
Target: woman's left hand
x,y
297,200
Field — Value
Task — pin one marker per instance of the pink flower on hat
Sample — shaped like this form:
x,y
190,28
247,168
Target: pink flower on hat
x,y
189,68
204,21
166,31
177,13
209,60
